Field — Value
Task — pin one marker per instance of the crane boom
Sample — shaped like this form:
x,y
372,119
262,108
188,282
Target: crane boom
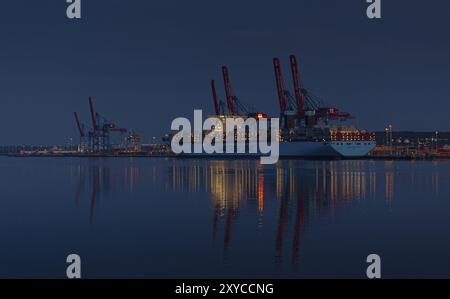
x,y
93,117
80,129
299,98
216,101
228,90
280,85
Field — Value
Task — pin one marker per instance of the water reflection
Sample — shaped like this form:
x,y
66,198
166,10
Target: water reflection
x,y
95,183
292,192
325,185
298,191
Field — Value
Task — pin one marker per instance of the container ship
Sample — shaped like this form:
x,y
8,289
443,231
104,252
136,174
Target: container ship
x,y
308,128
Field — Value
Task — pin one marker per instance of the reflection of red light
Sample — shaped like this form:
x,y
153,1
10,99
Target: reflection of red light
x,y
260,115
260,193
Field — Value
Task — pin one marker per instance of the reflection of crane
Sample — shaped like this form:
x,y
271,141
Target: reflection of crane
x,y
217,210
228,228
299,222
281,230
95,187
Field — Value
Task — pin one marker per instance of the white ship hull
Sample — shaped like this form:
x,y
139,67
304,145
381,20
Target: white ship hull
x,y
307,149
333,149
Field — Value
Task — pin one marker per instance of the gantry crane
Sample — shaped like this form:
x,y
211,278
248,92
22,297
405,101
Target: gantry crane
x,y
100,133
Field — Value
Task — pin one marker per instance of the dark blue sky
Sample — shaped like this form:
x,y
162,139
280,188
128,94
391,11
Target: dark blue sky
x,y
146,62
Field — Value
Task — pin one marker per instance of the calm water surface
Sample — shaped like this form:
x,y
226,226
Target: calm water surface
x,y
205,218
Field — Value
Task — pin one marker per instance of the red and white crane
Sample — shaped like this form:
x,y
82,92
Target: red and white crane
x,y
299,98
99,136
215,99
280,85
228,91
79,126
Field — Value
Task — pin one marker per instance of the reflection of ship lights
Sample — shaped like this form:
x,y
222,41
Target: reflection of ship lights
x,y
295,191
299,192
261,193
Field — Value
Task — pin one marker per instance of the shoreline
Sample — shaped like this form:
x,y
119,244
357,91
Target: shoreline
x,y
369,157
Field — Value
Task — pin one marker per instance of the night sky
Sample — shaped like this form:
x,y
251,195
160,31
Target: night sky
x,y
146,62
